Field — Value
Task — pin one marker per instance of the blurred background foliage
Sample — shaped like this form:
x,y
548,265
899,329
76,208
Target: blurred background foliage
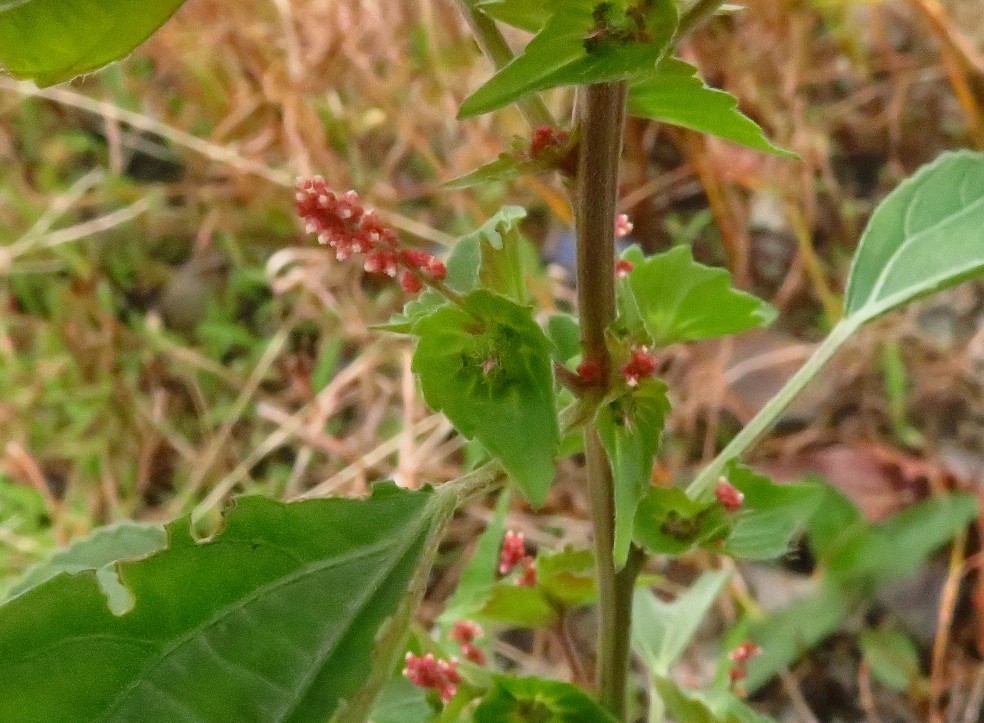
x,y
169,337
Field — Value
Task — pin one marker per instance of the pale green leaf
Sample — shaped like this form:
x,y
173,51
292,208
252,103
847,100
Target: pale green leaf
x,y
676,94
630,428
272,619
567,576
518,606
661,631
487,366
926,235
51,41
491,257
677,299
570,51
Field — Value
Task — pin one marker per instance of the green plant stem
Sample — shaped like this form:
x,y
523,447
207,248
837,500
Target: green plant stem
x,y
762,421
602,118
494,46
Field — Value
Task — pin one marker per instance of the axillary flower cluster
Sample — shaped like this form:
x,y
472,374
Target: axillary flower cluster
x,y
342,222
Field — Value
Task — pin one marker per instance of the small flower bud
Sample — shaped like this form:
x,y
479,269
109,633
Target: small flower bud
x,y
589,371
513,551
728,495
410,283
641,366
466,631
623,268
623,226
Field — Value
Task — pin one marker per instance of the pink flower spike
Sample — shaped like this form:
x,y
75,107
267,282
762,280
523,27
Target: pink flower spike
x,y
528,578
437,674
623,268
728,495
745,652
410,283
513,551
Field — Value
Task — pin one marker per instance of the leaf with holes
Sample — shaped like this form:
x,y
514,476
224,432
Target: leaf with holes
x,y
51,41
926,235
487,366
583,42
272,619
676,94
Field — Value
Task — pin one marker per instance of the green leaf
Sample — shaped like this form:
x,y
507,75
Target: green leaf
x,y
770,516
677,299
892,657
564,331
504,168
106,545
519,606
789,633
400,701
704,706
478,576
520,700
630,428
272,619
662,631
491,257
51,41
670,523
676,94
926,235
530,15
574,48
873,554
487,367
567,576
414,310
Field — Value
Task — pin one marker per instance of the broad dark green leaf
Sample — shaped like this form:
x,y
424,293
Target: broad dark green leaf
x,y
106,545
676,94
770,516
487,367
892,657
572,49
273,619
661,631
530,15
51,41
520,700
677,299
518,606
630,428
670,523
926,235
567,576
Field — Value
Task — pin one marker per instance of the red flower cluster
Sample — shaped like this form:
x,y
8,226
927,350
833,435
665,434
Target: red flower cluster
x,y
435,673
547,137
345,225
513,554
589,371
465,632
641,366
728,495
